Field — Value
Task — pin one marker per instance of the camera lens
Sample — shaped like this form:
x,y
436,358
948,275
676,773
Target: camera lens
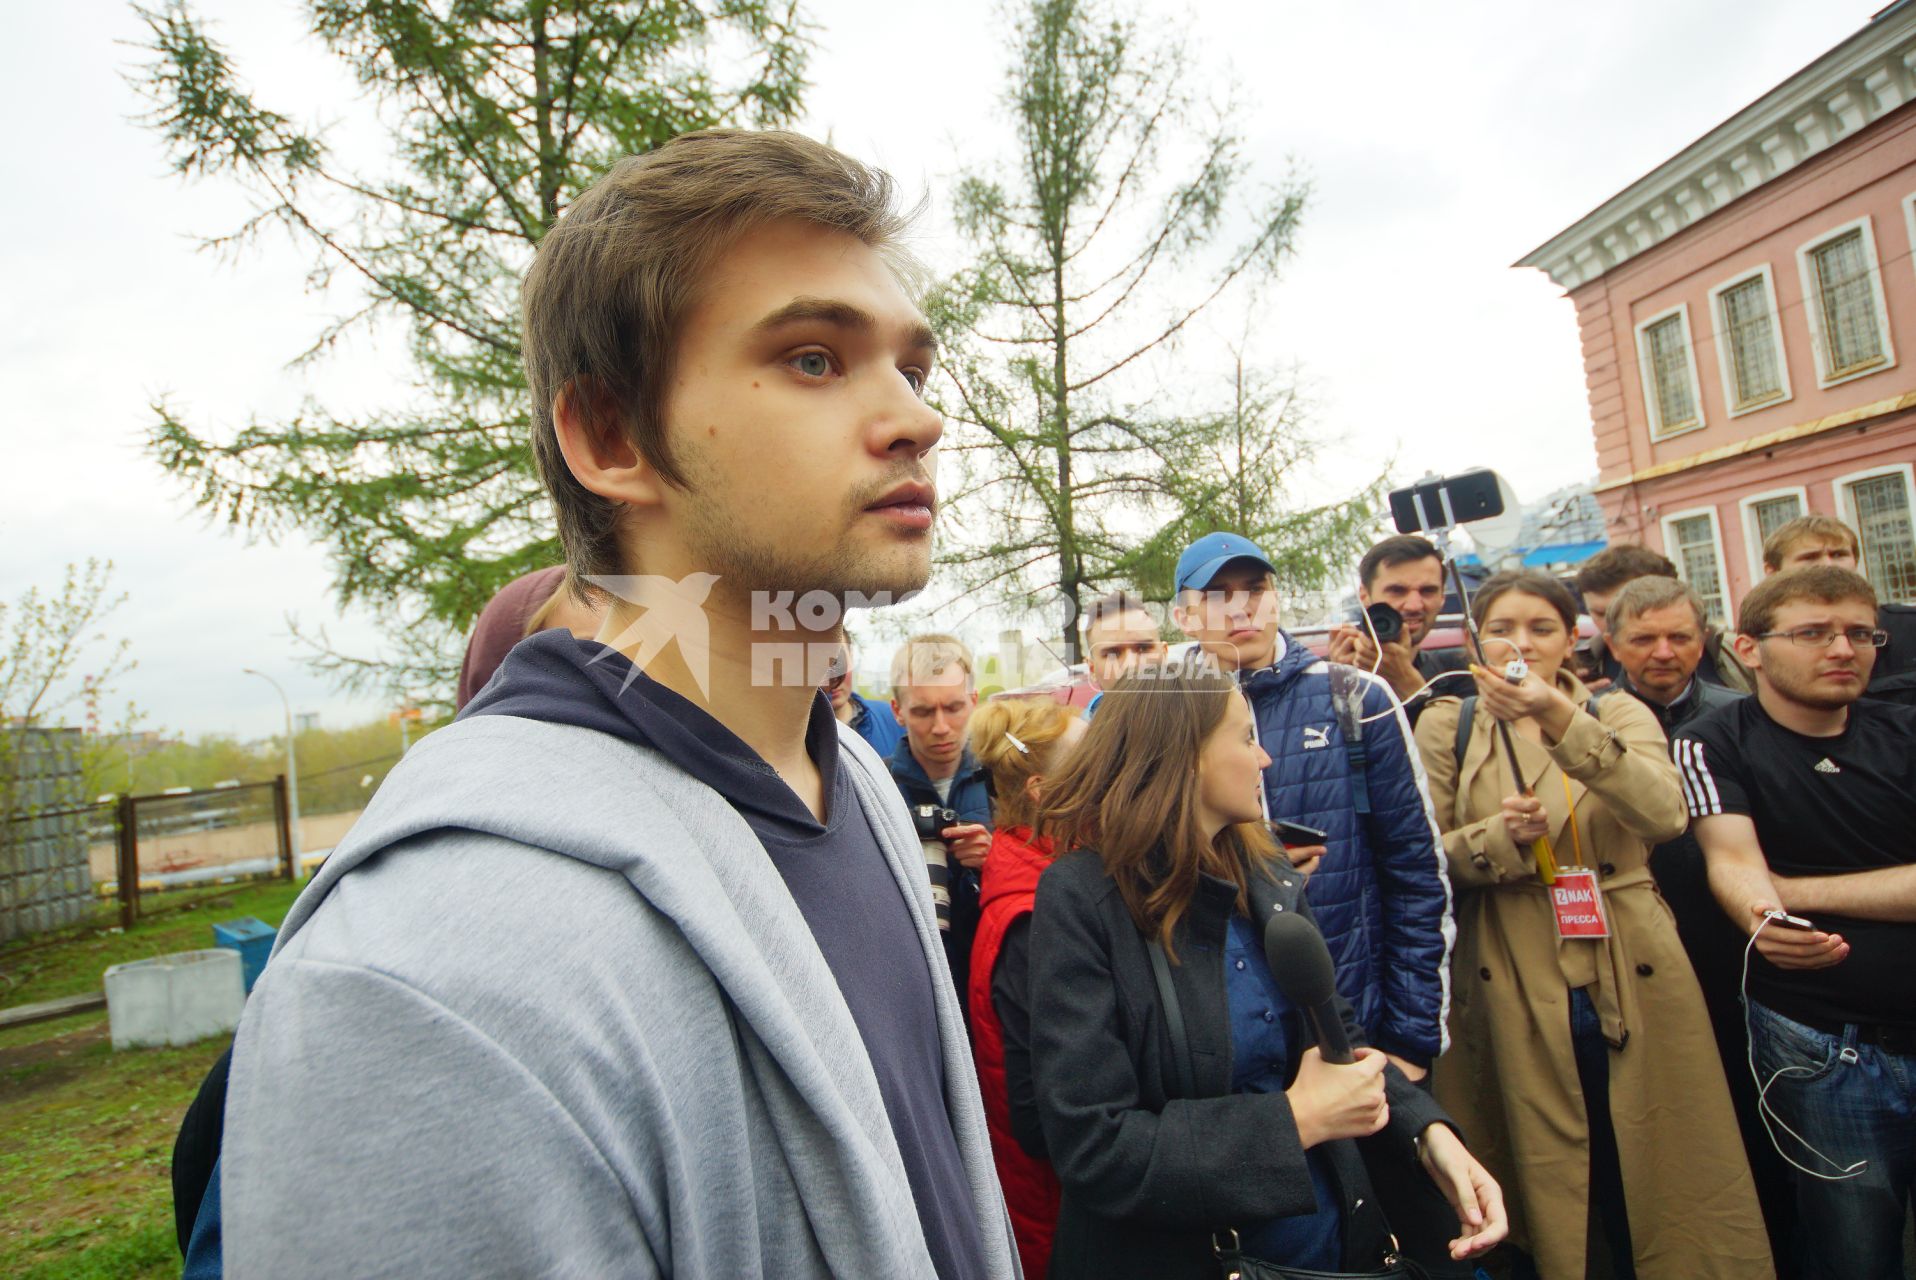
x,y
1386,622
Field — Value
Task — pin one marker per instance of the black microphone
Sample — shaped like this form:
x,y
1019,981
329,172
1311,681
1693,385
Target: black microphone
x,y
1301,963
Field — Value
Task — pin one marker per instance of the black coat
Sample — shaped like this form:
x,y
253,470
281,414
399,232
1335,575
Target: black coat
x,y
1148,1176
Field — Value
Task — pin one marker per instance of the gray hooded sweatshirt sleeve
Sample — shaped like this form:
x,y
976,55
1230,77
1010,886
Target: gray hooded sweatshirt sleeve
x,y
589,1037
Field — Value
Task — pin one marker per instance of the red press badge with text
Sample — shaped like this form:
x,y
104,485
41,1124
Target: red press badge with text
x,y
1578,904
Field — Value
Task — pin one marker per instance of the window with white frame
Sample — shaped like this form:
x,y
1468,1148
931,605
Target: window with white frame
x,y
1843,292
1763,515
1749,345
1879,507
1691,539
1669,373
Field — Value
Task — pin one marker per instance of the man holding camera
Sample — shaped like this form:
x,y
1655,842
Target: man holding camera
x,y
1804,798
1405,574
933,697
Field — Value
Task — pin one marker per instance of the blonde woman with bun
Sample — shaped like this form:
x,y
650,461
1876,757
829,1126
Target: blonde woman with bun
x,y
1018,741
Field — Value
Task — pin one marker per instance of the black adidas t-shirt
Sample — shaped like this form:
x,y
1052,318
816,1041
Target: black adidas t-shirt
x,y
1822,806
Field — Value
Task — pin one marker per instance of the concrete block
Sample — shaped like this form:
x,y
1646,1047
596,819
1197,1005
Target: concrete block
x,y
176,999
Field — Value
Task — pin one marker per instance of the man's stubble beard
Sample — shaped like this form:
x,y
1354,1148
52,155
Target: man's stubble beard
x,y
722,544
1804,695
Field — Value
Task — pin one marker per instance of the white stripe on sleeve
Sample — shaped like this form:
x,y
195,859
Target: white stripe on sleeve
x,y
1704,799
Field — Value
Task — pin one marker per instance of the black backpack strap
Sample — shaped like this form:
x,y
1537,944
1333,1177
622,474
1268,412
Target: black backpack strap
x,y
197,1148
1466,715
1173,1019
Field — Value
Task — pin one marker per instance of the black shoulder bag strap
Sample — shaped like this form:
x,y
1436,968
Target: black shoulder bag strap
x,y
1173,1019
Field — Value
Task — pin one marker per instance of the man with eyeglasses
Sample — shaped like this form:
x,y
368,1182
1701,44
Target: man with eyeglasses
x,y
1804,800
1820,539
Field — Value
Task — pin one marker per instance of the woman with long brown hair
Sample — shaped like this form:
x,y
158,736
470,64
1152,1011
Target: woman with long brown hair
x,y
1020,742
1582,1063
1245,1129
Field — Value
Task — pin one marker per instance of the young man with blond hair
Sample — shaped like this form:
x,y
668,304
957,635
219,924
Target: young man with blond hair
x,y
934,691
632,971
1808,540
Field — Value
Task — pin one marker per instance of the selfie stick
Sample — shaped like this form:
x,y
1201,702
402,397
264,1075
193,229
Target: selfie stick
x,y
1439,530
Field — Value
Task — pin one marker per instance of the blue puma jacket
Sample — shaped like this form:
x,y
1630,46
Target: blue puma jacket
x,y
1381,894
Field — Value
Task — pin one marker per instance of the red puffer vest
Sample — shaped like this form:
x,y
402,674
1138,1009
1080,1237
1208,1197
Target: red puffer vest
x,y
1010,886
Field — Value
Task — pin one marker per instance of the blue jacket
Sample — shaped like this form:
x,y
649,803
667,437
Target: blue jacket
x,y
875,723
971,797
1381,894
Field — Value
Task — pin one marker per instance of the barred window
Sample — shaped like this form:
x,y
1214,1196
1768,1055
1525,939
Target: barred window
x,y
1846,304
1693,547
1748,332
1672,390
1883,525
1773,513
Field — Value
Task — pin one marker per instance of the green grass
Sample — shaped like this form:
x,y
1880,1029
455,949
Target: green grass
x,y
32,971
86,1141
86,1134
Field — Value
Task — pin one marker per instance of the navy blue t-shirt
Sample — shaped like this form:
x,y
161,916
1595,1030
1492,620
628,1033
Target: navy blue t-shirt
x,y
836,872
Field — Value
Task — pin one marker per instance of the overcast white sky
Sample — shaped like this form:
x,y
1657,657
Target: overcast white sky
x,y
1444,142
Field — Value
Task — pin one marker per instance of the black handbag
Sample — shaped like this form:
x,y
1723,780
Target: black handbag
x,y
1233,1262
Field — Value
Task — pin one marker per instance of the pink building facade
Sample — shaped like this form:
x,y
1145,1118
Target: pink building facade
x,y
1748,321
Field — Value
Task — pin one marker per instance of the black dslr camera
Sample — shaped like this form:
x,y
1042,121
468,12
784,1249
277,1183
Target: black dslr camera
x,y
930,821
1384,620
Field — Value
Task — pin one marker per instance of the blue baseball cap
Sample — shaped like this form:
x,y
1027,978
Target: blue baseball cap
x,y
1203,559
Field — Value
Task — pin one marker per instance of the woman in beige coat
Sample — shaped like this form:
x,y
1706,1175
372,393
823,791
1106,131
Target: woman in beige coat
x,y
1582,1069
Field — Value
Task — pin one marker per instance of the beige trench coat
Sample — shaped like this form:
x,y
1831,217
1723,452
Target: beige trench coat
x,y
1510,1078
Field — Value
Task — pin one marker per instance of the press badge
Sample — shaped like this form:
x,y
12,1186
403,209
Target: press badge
x,y
1578,904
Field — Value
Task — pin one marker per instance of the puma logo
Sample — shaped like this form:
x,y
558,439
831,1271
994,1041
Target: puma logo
x,y
1314,738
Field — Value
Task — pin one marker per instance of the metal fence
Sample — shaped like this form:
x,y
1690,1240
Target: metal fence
x,y
57,865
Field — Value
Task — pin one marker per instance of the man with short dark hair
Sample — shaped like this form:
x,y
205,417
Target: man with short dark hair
x,y
1603,575
1820,539
1405,572
632,970
1120,635
1804,801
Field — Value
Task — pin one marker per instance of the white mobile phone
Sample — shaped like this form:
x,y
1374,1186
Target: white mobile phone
x,y
1790,921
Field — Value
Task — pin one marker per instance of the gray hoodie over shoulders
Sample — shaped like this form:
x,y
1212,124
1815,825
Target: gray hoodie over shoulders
x,y
589,1035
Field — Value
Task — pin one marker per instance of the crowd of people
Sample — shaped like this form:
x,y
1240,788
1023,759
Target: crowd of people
x,y
650,965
